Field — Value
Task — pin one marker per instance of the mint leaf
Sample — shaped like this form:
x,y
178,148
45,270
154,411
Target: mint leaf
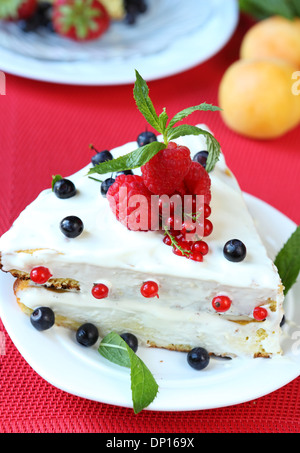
x,y
143,385
287,261
213,146
144,103
129,161
55,178
262,9
186,112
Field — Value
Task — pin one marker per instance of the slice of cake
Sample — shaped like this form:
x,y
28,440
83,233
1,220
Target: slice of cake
x,y
108,253
123,253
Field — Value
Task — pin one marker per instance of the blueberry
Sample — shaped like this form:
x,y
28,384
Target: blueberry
x,y
201,158
105,185
198,358
146,137
234,250
87,334
42,318
131,340
64,188
125,172
71,226
102,156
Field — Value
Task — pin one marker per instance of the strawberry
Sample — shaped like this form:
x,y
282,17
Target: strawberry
x,y
17,9
80,20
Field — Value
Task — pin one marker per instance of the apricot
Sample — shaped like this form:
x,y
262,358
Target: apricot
x,y
256,98
275,37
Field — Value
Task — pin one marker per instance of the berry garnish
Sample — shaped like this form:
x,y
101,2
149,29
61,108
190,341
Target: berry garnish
x,y
200,247
17,9
135,215
198,358
207,210
164,173
235,250
64,188
149,289
40,275
80,20
100,156
105,185
221,303
41,18
196,256
201,158
125,172
145,138
208,227
100,291
131,340
87,334
197,182
71,226
260,313
42,318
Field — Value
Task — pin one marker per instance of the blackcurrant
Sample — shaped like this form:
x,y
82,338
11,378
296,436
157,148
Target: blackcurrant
x,y
235,250
125,172
105,185
198,358
131,340
87,334
64,188
145,138
201,158
71,226
102,156
42,318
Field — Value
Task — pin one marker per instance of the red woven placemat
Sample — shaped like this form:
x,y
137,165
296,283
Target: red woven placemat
x,y
45,129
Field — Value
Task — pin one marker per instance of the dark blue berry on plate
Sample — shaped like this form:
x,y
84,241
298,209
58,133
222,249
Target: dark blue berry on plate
x,y
235,250
87,334
198,358
105,185
71,226
42,318
145,138
201,158
64,188
131,340
102,156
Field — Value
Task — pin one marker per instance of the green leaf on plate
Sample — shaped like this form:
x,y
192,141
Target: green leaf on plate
x,y
287,261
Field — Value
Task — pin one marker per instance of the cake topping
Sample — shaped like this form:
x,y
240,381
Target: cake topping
x,y
221,303
100,156
235,250
87,334
260,313
198,358
145,138
100,291
105,185
40,275
201,158
64,188
71,226
149,289
131,340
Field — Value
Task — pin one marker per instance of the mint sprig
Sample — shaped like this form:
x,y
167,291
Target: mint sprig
x,y
143,385
169,131
287,261
55,178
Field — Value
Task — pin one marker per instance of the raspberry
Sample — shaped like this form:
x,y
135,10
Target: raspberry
x,y
130,201
197,182
164,173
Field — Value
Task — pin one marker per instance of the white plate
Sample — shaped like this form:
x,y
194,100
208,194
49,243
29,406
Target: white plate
x,y
81,371
171,37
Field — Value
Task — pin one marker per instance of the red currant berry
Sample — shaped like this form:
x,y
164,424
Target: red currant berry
x,y
100,291
149,289
207,210
177,251
40,275
167,240
260,313
188,227
196,256
208,227
200,247
221,303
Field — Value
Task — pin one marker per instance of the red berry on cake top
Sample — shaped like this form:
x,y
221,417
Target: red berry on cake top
x,y
17,9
